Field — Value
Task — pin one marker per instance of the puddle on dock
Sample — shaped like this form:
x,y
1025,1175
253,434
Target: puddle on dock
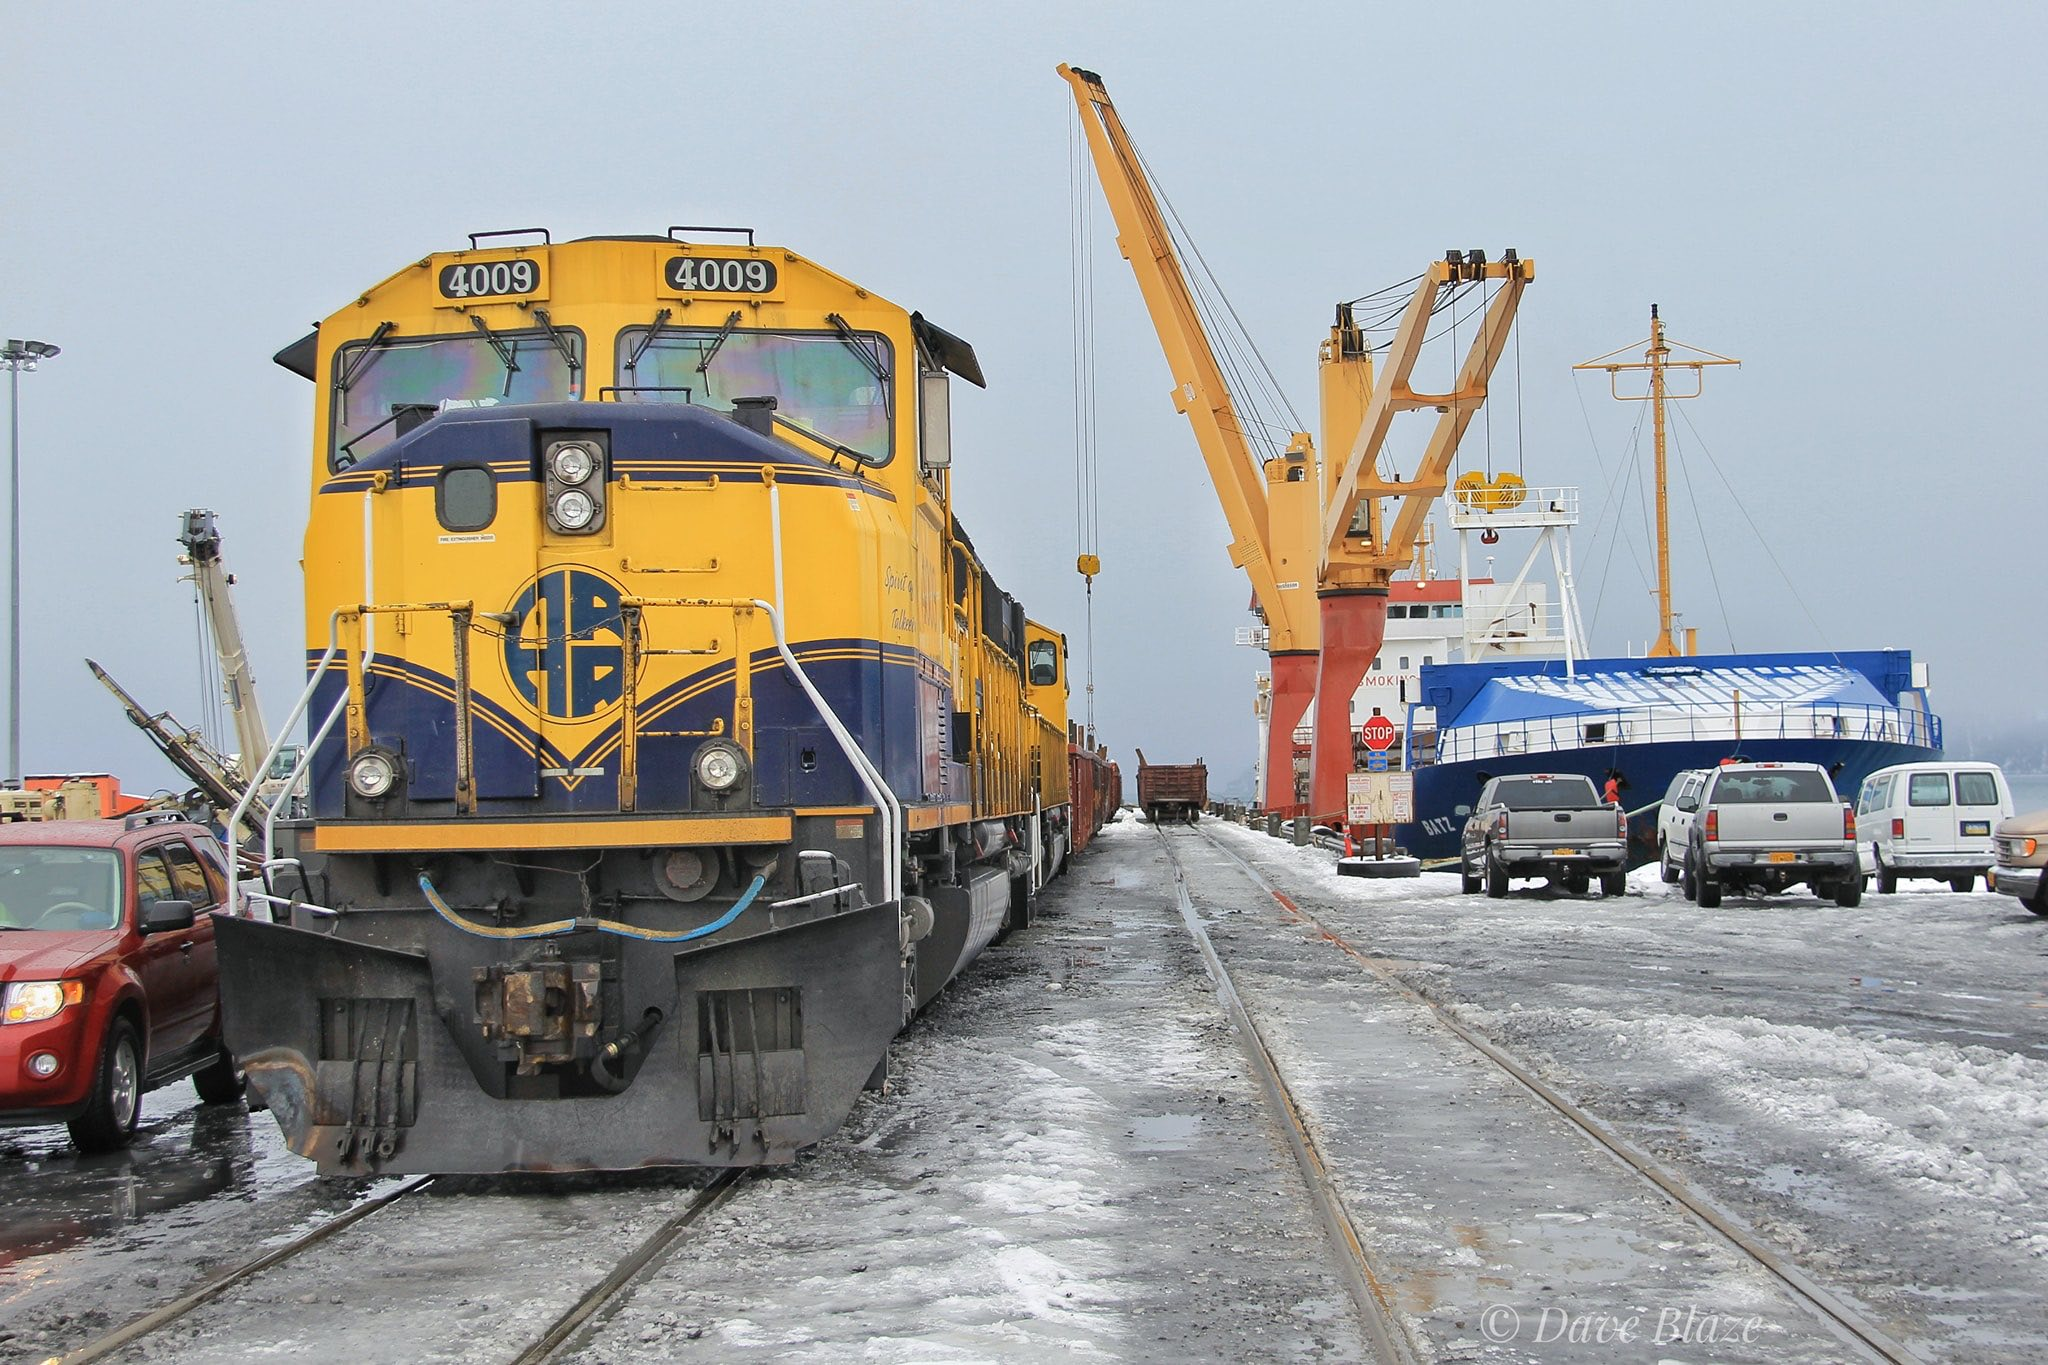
x,y
1165,1132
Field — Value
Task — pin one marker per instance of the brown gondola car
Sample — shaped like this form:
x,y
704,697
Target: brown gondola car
x,y
1172,791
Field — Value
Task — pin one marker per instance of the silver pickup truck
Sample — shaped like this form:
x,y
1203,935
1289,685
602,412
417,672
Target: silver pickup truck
x,y
1767,826
1544,825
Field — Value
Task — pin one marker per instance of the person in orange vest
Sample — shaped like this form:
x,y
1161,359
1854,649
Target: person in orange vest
x,y
1611,794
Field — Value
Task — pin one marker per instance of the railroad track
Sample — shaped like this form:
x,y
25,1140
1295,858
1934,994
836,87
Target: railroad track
x,y
576,1323
1363,1278
1843,1318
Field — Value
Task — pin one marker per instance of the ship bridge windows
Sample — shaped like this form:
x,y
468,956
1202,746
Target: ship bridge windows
x,y
384,386
830,386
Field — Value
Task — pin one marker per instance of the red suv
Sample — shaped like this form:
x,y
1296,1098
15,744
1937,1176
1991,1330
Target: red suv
x,y
108,982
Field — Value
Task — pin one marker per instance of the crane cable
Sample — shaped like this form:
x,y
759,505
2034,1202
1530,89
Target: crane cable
x,y
1081,266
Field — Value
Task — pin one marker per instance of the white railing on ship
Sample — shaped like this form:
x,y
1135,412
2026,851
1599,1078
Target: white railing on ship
x,y
1671,724
1513,627
1554,505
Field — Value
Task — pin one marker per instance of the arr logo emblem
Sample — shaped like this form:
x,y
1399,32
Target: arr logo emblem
x,y
565,647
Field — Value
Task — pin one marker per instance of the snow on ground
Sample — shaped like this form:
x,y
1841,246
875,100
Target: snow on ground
x,y
1070,1162
1825,1072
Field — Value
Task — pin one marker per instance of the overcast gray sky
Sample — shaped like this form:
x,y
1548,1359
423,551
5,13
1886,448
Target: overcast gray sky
x,y
1848,197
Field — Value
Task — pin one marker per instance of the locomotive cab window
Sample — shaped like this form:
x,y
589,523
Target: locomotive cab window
x,y
465,498
1045,663
832,388
381,388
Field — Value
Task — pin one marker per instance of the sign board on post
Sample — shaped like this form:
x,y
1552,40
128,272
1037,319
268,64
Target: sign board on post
x,y
1378,733
1379,798
1400,797
1357,798
1376,762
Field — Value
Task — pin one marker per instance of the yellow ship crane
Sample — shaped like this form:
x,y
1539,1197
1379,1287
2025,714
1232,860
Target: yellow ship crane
x,y
1254,494
1309,526
1359,552
1657,360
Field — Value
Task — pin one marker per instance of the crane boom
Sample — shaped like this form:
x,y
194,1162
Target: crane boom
x,y
1200,390
1297,523
188,753
200,535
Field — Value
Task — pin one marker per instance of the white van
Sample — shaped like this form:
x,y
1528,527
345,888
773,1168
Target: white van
x,y
1930,820
1674,820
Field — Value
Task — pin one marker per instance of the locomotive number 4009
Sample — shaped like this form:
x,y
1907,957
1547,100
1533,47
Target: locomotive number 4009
x,y
719,275
481,279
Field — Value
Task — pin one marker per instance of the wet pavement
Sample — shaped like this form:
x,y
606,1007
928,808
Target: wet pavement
x,y
87,1242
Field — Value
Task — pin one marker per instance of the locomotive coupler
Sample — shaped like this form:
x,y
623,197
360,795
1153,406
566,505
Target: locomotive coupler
x,y
541,1012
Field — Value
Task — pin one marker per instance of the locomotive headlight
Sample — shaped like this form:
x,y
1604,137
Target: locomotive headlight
x,y
719,766
571,464
574,509
372,773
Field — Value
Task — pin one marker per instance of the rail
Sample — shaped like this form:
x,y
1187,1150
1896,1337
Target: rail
x,y
1846,1318
1495,508
1718,722
1514,628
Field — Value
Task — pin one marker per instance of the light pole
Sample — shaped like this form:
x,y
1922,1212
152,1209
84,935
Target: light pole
x,y
16,356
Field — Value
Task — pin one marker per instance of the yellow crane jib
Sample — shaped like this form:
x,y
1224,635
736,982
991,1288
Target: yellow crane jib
x,y
1354,481
1200,390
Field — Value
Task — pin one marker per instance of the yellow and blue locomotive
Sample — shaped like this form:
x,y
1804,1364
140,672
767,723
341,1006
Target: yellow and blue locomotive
x,y
671,743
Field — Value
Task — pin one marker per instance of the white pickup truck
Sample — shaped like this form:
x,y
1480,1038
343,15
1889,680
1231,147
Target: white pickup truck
x,y
1767,826
1544,825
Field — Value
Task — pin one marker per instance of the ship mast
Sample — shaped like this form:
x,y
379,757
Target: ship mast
x,y
1657,360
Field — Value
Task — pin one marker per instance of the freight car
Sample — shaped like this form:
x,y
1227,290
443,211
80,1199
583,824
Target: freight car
x,y
1172,791
1096,784
672,745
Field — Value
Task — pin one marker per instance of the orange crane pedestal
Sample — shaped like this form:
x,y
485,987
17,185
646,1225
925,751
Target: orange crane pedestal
x,y
1294,683
1354,625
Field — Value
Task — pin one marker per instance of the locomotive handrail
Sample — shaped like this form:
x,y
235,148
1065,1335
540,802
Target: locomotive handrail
x,y
887,806
630,609
462,611
277,746
356,661
870,776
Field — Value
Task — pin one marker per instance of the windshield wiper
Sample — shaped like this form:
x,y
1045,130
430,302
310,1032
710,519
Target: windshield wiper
x,y
345,452
561,341
731,322
853,343
505,352
362,356
646,340
833,447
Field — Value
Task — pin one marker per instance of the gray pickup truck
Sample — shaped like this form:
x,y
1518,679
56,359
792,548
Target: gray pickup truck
x,y
1544,825
1767,826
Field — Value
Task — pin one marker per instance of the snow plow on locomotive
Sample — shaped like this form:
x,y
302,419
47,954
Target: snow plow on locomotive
x,y
671,744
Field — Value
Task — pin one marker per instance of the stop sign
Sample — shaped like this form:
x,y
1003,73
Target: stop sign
x,y
1378,733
